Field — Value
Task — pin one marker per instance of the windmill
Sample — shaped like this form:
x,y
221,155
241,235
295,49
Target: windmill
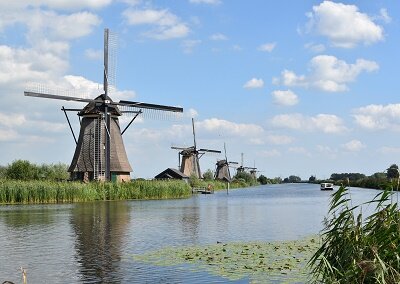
x,y
242,168
222,171
100,153
190,157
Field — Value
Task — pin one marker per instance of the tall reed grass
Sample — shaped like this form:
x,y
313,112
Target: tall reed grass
x,y
12,191
357,250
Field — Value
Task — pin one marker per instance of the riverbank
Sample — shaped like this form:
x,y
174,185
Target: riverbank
x,y
24,192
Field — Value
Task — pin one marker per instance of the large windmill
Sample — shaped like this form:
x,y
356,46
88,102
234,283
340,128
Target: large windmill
x,y
100,153
189,165
222,171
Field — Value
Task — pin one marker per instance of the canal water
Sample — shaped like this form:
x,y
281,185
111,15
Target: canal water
x,y
94,242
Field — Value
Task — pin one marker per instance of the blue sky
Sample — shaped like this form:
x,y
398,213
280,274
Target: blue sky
x,y
300,87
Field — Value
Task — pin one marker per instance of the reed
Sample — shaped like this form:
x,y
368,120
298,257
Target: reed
x,y
355,250
13,191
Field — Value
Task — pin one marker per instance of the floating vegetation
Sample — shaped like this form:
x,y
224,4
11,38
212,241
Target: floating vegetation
x,y
262,262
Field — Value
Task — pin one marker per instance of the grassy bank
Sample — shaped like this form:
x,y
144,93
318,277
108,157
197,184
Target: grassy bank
x,y
14,192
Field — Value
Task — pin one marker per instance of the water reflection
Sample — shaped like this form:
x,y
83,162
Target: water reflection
x,y
190,221
100,228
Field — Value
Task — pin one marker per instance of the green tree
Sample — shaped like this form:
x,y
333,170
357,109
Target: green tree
x,y
263,179
392,172
294,179
22,170
208,175
247,177
312,179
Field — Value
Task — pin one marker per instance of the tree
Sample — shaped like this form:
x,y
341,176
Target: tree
x,y
22,170
392,172
312,179
294,179
263,179
208,175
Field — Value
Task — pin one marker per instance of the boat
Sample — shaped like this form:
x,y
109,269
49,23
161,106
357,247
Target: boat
x,y
326,186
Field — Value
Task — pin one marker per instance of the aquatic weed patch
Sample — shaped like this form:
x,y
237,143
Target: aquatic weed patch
x,y
262,262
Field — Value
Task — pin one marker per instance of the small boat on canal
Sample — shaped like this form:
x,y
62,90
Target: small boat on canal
x,y
326,186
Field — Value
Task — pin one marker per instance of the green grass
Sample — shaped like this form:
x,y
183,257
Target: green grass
x,y
355,250
16,192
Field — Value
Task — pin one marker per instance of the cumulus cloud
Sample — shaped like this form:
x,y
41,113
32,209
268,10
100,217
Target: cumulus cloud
x,y
315,47
344,25
218,37
254,83
270,153
378,117
285,98
326,123
279,139
225,127
267,47
59,4
327,73
353,146
166,24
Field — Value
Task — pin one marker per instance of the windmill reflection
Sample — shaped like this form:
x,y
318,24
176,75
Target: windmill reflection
x,y
100,229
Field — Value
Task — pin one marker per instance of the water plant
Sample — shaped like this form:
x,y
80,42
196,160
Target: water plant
x,y
17,191
356,249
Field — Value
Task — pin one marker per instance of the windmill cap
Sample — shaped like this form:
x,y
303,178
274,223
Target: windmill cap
x,y
97,106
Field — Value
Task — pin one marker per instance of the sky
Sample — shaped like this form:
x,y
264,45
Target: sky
x,y
299,87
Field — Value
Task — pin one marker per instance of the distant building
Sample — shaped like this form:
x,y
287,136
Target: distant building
x,y
172,174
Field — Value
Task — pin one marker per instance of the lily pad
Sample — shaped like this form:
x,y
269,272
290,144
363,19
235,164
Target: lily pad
x,y
262,262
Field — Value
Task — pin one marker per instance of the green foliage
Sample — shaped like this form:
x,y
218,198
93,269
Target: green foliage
x,y
208,175
263,179
24,170
292,179
392,172
312,179
40,191
245,178
357,251
350,176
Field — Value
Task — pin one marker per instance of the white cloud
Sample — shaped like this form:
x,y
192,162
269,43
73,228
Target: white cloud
x,y
270,153
327,73
344,25
8,135
59,4
218,37
326,123
94,54
212,2
192,113
225,127
268,47
189,45
254,83
166,24
353,146
299,150
384,16
11,120
285,98
378,117
279,139
314,47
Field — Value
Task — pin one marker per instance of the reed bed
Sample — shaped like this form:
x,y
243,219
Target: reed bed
x,y
24,192
358,250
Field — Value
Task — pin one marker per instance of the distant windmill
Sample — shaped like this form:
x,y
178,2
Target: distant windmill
x,y
100,153
190,157
242,168
222,171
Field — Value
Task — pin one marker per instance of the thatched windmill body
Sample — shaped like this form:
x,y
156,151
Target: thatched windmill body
x,y
100,153
241,168
188,157
222,171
